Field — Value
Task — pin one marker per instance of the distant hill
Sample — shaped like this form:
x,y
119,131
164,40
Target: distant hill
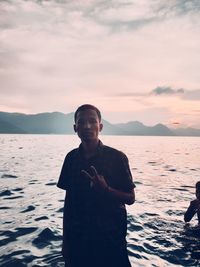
x,y
138,128
60,123
187,132
112,129
42,123
6,127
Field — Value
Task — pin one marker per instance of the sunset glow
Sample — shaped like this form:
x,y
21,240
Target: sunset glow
x,y
135,60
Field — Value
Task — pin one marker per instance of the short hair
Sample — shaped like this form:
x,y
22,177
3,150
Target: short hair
x,y
198,185
86,107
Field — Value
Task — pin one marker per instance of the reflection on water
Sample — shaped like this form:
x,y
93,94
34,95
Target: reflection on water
x,y
165,170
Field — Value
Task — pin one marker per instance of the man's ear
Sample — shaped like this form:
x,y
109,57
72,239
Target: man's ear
x,y
101,127
75,130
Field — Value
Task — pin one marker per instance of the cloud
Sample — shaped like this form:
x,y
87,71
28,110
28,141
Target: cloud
x,y
193,95
165,90
178,7
133,15
115,15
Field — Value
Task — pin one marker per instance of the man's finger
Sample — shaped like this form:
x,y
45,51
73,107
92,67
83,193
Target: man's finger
x,y
94,171
87,175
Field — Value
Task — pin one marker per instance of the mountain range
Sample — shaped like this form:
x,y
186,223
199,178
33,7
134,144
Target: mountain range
x,y
60,123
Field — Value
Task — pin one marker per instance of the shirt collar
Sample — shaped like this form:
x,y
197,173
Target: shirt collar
x,y
98,149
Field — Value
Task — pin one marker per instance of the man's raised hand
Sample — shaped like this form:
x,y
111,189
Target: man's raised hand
x,y
97,181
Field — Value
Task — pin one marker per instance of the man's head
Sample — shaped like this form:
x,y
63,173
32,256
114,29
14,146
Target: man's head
x,y
86,107
88,122
198,190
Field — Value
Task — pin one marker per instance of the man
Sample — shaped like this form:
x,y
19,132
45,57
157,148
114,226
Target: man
x,y
98,184
194,207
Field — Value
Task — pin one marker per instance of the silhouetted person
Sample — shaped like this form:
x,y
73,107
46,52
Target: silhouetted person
x,y
194,206
98,184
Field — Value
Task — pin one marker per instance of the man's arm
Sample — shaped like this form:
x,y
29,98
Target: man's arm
x,y
64,174
192,209
123,197
99,184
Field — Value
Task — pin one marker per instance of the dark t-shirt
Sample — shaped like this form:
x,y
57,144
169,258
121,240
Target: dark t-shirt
x,y
85,210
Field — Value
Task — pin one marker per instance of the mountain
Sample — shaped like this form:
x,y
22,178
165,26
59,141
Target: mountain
x,y
159,129
113,129
187,132
133,127
138,128
6,127
42,123
60,123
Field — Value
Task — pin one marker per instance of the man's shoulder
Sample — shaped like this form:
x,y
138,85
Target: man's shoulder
x,y
113,151
195,202
71,154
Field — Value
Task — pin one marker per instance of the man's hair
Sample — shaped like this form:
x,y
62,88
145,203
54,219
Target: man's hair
x,y
86,107
198,185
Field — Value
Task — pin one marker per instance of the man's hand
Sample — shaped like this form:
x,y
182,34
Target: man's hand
x,y
97,181
99,184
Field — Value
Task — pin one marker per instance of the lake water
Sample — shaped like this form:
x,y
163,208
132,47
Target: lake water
x,y
165,170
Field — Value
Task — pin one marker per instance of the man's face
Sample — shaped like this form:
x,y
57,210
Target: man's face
x,y
87,125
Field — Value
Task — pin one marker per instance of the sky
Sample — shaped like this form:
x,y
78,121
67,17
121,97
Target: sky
x,y
133,59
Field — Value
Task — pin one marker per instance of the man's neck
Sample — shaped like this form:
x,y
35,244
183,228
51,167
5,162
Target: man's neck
x,y
90,147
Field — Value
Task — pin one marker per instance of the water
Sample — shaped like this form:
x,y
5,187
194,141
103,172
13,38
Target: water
x,y
165,170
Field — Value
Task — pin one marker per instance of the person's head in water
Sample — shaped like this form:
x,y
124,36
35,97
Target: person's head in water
x,y
88,122
198,190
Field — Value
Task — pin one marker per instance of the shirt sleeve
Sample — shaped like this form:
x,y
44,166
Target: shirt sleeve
x,y
63,180
125,176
